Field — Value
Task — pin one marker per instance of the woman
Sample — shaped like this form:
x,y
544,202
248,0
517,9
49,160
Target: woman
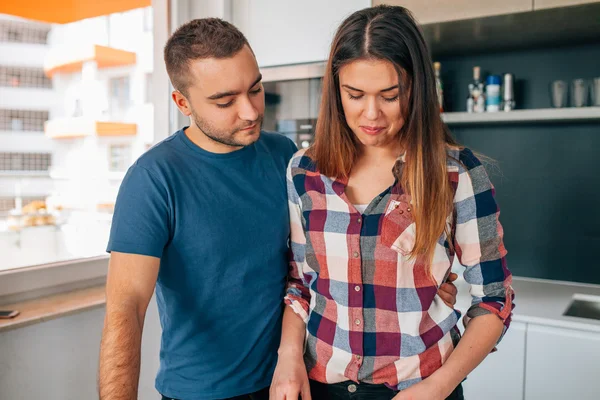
x,y
379,207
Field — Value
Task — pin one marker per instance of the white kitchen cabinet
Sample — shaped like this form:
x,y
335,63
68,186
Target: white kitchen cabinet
x,y
500,376
427,12
562,364
543,4
291,32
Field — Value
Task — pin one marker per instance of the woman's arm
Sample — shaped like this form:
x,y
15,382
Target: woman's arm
x,y
480,338
478,341
290,378
478,242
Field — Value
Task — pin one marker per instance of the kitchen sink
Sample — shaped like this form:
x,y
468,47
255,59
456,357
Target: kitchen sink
x,y
584,306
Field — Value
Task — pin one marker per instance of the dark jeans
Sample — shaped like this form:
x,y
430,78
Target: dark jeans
x,y
351,391
262,394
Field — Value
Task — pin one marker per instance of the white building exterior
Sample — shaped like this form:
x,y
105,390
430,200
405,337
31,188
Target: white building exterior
x,y
26,97
75,112
101,70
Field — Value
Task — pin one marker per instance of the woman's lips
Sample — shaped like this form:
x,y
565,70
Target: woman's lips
x,y
372,130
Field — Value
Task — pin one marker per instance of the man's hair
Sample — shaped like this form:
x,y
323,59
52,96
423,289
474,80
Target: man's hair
x,y
198,39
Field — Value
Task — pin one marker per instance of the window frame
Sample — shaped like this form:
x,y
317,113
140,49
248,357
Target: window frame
x,y
29,282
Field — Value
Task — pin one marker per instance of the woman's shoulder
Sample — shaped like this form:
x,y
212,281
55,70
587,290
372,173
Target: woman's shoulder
x,y
302,162
461,158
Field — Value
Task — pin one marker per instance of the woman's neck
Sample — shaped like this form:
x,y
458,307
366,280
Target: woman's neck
x,y
377,155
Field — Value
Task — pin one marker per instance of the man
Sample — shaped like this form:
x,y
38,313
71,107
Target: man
x,y
203,217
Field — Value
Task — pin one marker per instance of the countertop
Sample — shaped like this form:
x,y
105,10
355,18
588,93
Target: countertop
x,y
537,301
51,307
542,302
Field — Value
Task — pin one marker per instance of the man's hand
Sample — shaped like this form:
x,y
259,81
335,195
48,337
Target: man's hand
x,y
290,379
448,291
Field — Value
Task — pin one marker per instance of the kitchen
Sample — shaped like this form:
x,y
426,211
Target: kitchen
x,y
542,163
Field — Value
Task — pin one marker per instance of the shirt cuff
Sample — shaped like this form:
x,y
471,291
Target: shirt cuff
x,y
299,305
502,310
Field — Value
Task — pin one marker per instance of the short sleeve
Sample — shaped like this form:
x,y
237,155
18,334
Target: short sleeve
x,y
140,222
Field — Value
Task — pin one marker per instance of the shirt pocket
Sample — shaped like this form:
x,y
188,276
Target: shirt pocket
x,y
398,226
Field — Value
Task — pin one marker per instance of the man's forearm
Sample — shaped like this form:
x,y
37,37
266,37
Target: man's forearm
x,y
120,349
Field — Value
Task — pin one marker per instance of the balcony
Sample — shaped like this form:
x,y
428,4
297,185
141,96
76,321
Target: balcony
x,y
70,60
72,128
27,98
27,55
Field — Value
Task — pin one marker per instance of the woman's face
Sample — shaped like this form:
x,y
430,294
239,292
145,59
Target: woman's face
x,y
371,101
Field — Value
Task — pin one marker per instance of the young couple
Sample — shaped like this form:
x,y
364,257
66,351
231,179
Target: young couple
x,y
356,305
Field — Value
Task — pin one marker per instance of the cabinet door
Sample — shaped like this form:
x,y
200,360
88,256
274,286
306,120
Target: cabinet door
x,y
562,364
291,32
500,376
428,12
542,4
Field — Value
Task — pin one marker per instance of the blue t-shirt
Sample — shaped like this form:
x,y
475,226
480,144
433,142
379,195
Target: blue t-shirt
x,y
220,225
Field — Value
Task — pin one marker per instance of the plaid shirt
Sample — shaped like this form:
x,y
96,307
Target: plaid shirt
x,y
373,314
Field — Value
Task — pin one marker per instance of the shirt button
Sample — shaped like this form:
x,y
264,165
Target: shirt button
x,y
357,321
359,220
352,388
357,288
355,254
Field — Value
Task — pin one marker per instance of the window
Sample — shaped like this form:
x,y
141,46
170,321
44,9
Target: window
x,y
24,32
25,162
7,204
13,35
22,120
119,157
24,77
16,124
77,168
119,95
13,79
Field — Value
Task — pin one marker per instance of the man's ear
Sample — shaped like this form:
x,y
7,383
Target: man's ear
x,y
182,103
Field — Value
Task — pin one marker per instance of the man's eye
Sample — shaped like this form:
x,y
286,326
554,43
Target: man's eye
x,y
225,105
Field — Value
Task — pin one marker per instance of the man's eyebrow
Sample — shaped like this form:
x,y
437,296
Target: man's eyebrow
x,y
220,95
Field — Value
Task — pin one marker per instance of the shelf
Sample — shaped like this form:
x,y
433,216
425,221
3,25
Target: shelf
x,y
524,116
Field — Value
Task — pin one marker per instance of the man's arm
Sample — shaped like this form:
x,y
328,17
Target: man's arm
x,y
129,287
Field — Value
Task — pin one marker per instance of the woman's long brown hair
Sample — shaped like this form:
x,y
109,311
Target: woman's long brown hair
x,y
390,33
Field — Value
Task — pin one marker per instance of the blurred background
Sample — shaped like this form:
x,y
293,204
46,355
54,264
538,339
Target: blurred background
x,y
84,92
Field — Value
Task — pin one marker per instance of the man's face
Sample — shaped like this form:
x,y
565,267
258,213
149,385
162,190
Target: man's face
x,y
226,99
